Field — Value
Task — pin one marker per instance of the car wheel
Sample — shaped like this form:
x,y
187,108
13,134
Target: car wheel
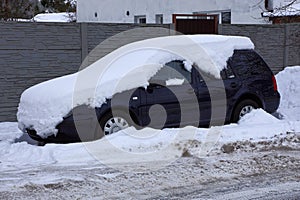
x,y
243,108
111,124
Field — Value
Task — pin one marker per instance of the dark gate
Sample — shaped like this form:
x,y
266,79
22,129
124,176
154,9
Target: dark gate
x,y
196,24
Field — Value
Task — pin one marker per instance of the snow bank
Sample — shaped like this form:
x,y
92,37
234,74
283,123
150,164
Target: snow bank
x,y
258,116
289,89
43,106
9,132
147,145
55,17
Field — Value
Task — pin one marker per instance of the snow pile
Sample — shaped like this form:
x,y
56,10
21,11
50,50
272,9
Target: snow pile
x,y
258,116
9,132
43,106
55,17
148,145
289,89
255,126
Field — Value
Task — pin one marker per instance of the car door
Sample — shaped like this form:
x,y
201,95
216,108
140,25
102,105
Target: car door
x,y
171,98
233,87
203,97
214,96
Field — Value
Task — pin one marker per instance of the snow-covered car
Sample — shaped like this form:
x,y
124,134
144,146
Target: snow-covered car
x,y
174,81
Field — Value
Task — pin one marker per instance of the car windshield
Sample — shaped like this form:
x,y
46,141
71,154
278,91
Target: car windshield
x,y
174,70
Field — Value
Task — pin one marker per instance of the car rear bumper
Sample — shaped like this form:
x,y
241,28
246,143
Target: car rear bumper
x,y
272,103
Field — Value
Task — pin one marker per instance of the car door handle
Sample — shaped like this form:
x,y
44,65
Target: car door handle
x,y
233,84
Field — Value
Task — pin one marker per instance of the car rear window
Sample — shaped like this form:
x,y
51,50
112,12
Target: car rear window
x,y
248,63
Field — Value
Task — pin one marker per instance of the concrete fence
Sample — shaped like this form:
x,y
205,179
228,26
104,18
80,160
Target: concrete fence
x,y
34,52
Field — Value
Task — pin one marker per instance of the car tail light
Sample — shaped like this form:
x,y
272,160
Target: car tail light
x,y
274,83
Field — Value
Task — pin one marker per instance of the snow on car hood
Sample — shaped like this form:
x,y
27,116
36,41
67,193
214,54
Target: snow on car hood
x,y
43,106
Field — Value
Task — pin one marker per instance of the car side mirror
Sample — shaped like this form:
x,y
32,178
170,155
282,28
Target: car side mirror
x,y
149,88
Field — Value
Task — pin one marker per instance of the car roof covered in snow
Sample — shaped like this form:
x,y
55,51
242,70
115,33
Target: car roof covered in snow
x,y
209,52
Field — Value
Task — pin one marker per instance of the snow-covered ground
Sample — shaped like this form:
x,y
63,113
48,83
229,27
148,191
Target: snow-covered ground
x,y
157,163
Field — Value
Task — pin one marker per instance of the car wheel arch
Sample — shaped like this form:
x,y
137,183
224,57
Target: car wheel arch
x,y
247,96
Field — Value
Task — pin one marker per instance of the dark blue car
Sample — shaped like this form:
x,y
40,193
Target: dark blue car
x,y
247,83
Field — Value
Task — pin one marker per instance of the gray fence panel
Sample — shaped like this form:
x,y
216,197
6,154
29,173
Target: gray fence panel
x,y
31,53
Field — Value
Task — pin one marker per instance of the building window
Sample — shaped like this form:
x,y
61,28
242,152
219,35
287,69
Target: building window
x,y
140,19
159,19
226,17
269,5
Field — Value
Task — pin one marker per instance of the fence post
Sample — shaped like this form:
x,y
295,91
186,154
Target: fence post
x,y
84,41
285,46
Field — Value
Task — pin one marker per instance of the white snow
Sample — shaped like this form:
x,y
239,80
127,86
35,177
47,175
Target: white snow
x,y
43,106
55,17
289,88
9,132
258,116
174,81
219,49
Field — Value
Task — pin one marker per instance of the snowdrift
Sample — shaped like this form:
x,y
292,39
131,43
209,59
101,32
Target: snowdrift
x,y
289,88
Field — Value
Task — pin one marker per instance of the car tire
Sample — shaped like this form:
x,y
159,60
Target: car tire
x,y
112,123
243,108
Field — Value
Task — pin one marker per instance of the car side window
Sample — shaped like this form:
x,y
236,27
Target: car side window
x,y
246,63
173,70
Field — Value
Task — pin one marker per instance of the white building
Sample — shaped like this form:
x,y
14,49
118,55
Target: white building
x,y
161,11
